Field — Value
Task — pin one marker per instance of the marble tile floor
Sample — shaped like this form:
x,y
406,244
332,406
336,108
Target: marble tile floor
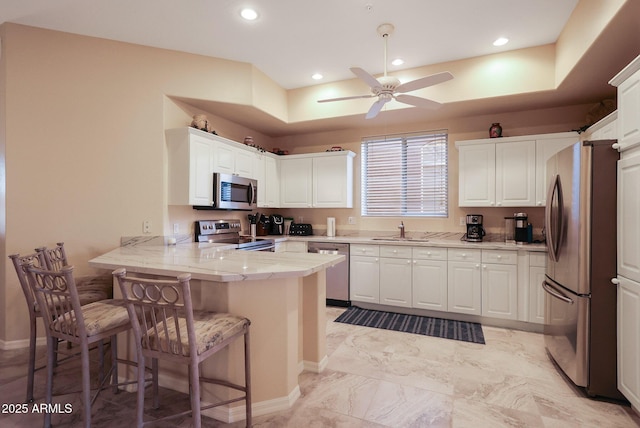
x,y
375,378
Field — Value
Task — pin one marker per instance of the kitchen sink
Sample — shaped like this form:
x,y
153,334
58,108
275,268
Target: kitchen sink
x,y
398,239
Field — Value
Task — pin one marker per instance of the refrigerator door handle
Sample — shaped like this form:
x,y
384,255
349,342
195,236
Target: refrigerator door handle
x,y
549,288
554,226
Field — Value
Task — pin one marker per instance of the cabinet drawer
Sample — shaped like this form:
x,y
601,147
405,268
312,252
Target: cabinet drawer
x,y
365,250
395,251
429,253
538,259
463,255
500,257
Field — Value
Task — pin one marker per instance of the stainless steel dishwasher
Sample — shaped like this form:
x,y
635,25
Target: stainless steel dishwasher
x,y
338,275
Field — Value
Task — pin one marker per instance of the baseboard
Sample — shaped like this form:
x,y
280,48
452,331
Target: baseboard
x,y
228,414
312,366
21,343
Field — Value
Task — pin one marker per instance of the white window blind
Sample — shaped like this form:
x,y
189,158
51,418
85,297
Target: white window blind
x,y
405,175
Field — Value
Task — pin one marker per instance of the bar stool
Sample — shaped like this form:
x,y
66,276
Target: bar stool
x,y
169,329
87,294
66,319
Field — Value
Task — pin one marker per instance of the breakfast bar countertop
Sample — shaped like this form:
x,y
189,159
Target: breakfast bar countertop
x,y
211,262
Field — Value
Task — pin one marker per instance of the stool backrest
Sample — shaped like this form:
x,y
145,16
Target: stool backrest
x,y
55,258
58,300
20,263
161,314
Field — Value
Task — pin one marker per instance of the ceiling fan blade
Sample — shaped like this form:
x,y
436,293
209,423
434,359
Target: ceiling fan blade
x,y
366,77
424,82
345,98
376,107
418,102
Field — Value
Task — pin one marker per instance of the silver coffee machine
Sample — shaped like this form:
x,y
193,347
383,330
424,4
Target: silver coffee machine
x,y
475,231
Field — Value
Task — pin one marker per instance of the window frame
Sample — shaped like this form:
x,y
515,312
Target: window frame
x,y
423,193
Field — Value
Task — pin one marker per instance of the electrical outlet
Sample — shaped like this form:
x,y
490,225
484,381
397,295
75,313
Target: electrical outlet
x,y
352,220
462,221
176,228
146,226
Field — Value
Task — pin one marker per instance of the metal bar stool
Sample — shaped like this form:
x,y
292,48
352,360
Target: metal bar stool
x,y
66,319
86,294
169,329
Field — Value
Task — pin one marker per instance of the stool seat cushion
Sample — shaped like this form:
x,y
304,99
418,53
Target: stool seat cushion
x,y
99,317
211,329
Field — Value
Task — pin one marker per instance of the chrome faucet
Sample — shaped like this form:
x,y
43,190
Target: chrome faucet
x,y
401,227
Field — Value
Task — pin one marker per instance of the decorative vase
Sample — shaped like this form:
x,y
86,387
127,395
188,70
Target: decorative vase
x,y
495,131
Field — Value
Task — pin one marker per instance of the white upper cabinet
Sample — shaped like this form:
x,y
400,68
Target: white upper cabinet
x,y
628,83
295,182
507,172
628,221
515,174
545,148
233,160
317,180
477,175
190,163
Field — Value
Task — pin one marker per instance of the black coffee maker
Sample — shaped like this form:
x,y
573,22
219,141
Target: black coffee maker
x,y
475,231
276,224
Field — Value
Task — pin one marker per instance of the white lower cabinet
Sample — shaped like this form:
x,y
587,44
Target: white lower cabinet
x,y
629,340
464,281
499,284
536,292
395,276
364,273
429,278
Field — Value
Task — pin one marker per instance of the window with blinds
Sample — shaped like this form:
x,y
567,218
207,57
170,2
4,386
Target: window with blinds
x,y
405,175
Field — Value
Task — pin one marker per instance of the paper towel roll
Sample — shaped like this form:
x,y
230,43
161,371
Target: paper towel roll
x,y
331,226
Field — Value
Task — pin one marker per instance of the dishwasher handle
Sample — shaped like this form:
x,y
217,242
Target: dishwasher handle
x,y
323,251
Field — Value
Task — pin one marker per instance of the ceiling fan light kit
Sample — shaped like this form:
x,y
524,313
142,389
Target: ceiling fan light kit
x,y
387,88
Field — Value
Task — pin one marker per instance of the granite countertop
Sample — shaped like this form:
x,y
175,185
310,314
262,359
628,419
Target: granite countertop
x,y
419,239
213,262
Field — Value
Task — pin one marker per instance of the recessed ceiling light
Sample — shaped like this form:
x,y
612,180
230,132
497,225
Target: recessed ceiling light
x,y
397,61
249,14
501,41
317,76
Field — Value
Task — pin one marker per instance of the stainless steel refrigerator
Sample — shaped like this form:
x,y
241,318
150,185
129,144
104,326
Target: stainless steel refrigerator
x,y
580,301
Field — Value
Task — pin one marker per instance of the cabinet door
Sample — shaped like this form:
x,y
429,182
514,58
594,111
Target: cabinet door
x,y
333,182
544,150
464,281
536,294
629,112
200,172
516,174
272,190
395,282
224,158
629,340
429,286
629,217
364,279
477,175
500,291
244,163
295,183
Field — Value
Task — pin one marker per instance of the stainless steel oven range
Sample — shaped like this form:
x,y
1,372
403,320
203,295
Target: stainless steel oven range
x,y
228,232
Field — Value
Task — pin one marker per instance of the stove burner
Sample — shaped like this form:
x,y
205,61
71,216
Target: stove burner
x,y
228,232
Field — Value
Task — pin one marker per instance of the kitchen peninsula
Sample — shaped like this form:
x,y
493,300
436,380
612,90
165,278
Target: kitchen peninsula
x,y
283,294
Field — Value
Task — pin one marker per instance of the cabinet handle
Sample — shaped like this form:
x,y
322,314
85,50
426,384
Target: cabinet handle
x,y
499,204
464,255
395,251
492,203
539,203
616,146
415,262
428,253
484,266
409,262
477,265
499,257
615,281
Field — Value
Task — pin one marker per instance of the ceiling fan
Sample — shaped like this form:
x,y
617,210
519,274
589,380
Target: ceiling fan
x,y
387,88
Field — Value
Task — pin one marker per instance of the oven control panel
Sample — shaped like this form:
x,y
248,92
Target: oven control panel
x,y
215,227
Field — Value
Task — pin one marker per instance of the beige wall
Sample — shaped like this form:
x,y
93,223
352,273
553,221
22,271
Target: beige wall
x,y
82,148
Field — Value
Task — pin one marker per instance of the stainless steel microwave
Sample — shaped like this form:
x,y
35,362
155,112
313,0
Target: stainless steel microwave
x,y
232,192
